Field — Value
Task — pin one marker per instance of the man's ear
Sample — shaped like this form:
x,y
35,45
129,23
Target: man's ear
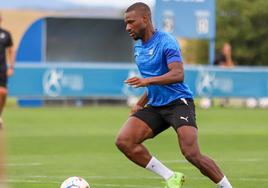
x,y
145,19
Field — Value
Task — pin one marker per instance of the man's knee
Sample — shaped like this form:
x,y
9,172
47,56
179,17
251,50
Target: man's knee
x,y
128,146
122,143
192,156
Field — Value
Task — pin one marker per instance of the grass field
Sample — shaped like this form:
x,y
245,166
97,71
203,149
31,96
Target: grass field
x,y
47,145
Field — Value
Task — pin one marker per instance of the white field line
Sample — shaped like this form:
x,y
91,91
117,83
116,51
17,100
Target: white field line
x,y
23,164
219,160
132,186
101,185
165,161
34,179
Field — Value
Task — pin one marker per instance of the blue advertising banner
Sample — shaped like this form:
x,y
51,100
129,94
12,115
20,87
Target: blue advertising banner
x,y
207,81
186,18
58,80
107,80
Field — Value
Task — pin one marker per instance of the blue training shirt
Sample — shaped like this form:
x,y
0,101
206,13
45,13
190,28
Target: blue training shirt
x,y
152,58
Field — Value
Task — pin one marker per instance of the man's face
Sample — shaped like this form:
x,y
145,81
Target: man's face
x,y
135,24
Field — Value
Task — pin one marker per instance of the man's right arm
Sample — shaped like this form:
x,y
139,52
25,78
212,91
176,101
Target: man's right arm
x,y
10,55
11,60
140,104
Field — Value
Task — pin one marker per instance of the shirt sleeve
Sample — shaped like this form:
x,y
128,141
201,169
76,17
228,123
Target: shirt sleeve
x,y
172,51
9,41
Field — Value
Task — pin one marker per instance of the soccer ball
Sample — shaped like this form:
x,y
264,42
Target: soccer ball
x,y
75,182
205,103
263,102
251,103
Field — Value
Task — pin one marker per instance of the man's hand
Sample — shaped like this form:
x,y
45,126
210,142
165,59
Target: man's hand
x,y
137,82
135,108
10,71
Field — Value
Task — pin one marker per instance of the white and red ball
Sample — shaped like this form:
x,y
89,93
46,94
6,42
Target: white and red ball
x,y
75,182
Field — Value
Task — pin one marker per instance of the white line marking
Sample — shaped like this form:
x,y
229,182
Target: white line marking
x,y
219,160
132,186
23,164
34,179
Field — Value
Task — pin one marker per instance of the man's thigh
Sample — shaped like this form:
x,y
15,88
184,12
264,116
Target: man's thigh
x,y
181,113
188,140
152,119
135,131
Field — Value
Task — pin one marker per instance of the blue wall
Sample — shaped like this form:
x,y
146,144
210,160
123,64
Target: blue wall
x,y
31,47
105,80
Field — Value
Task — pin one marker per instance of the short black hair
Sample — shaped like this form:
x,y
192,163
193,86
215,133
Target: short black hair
x,y
141,7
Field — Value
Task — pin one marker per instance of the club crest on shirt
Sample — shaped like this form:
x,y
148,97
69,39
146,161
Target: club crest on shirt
x,y
151,52
136,54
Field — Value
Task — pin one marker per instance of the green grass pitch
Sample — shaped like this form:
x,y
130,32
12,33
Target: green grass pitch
x,y
47,145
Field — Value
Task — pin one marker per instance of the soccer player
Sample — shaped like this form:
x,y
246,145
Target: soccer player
x,y
166,102
6,49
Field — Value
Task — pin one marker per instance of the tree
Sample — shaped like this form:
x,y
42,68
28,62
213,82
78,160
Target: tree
x,y
243,23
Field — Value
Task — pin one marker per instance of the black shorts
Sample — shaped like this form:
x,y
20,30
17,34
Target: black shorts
x,y
3,79
176,114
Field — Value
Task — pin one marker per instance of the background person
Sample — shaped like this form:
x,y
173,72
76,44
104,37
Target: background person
x,y
224,59
7,56
7,61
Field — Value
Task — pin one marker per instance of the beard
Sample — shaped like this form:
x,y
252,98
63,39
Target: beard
x,y
139,35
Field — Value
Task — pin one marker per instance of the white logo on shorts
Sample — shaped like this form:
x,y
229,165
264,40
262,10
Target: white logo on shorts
x,y
184,100
185,118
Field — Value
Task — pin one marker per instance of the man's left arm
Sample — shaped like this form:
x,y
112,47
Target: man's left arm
x,y
174,75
